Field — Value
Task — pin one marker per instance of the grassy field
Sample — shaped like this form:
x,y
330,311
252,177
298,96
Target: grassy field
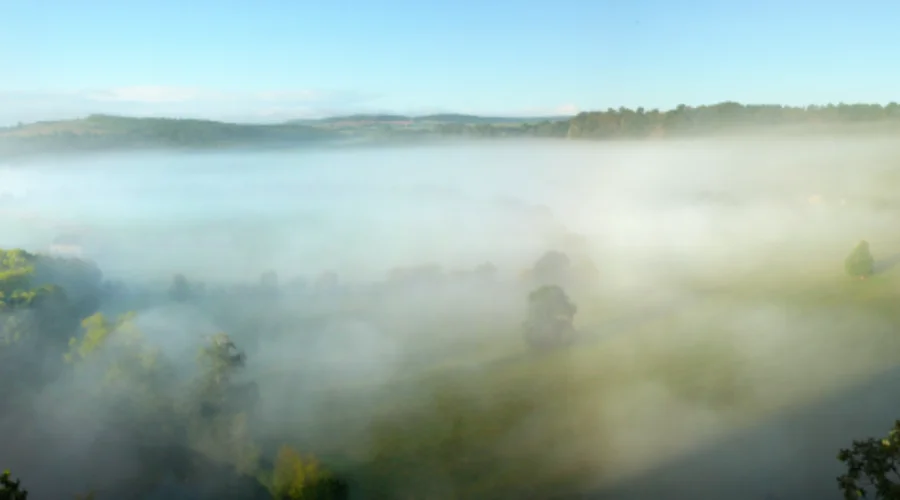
x,y
493,420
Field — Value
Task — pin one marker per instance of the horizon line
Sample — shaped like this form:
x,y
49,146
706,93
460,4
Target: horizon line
x,y
807,107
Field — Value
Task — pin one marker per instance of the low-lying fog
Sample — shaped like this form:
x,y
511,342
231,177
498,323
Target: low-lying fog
x,y
362,211
651,216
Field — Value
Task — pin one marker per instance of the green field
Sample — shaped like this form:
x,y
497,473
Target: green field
x,y
493,420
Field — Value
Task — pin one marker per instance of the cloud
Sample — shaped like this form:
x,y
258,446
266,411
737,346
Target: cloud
x,y
567,110
265,105
146,93
548,111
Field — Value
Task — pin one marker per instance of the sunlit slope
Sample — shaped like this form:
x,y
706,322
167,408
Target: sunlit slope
x,y
650,382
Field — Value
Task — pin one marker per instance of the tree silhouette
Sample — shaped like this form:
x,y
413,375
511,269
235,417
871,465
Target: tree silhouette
x,y
550,317
860,264
11,489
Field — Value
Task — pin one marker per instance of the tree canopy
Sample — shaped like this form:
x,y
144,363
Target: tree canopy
x,y
550,317
860,263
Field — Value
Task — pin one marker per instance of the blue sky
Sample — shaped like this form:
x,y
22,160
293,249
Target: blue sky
x,y
270,60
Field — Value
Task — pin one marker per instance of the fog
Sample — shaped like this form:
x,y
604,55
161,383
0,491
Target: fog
x,y
710,315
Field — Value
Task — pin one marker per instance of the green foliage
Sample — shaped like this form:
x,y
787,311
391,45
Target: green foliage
x,y
297,478
221,358
860,264
219,424
872,465
16,269
11,489
97,330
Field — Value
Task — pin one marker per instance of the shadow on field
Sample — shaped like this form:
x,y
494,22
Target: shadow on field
x,y
606,330
791,456
886,264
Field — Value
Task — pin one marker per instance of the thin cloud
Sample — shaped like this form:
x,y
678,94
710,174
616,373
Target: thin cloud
x,y
146,93
567,110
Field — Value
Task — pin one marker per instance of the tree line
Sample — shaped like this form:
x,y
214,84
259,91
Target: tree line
x,y
99,132
684,120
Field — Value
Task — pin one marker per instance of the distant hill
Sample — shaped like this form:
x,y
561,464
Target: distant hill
x,y
436,119
105,132
165,130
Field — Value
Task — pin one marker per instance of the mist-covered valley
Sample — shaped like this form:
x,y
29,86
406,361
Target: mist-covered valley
x,y
375,302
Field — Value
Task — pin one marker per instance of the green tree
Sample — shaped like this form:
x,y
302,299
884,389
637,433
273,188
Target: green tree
x,y
11,489
873,466
860,264
297,478
220,423
550,317
37,318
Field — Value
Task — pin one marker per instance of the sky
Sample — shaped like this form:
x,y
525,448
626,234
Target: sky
x,y
269,60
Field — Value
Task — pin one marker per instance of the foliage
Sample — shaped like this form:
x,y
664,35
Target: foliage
x,y
220,427
297,478
550,317
860,264
38,315
16,269
11,489
872,466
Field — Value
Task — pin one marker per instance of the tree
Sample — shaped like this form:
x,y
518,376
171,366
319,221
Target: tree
x,y
37,317
860,264
550,318
11,489
297,478
553,268
219,424
220,360
872,461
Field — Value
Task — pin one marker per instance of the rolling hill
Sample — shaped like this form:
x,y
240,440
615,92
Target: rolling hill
x,y
105,132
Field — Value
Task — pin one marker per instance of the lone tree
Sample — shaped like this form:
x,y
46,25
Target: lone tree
x,y
553,268
550,317
860,264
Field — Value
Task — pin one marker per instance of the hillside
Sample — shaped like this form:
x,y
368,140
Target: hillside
x,y
104,132
435,119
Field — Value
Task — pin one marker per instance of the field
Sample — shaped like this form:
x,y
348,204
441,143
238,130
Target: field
x,y
646,387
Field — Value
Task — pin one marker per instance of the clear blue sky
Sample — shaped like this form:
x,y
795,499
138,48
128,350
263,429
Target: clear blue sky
x,y
267,58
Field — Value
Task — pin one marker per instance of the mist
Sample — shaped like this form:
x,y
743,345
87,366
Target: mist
x,y
716,310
